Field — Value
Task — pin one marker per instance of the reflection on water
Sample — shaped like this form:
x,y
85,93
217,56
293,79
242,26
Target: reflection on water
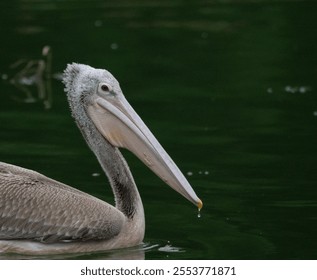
x,y
33,79
133,253
168,248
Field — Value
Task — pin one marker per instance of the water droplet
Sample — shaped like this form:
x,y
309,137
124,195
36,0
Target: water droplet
x,y
95,174
98,23
204,35
114,46
206,172
199,214
302,89
189,173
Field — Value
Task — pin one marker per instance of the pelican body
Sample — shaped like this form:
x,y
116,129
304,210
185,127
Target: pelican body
x,y
39,215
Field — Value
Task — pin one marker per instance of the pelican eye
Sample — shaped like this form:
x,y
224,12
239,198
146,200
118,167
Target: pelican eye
x,y
105,88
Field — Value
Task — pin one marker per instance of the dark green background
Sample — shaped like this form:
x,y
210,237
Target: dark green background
x,y
227,87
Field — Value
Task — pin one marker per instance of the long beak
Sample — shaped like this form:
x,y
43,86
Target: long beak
x,y
123,128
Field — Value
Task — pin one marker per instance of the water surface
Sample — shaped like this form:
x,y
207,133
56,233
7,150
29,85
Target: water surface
x,y
228,88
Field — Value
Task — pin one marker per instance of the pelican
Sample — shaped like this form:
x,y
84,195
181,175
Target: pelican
x,y
39,215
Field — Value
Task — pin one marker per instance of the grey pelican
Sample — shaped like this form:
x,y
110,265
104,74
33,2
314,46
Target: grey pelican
x,y
39,215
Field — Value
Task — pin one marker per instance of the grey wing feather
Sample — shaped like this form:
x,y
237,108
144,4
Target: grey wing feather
x,y
35,207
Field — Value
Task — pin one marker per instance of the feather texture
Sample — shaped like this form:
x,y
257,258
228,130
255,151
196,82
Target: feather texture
x,y
35,207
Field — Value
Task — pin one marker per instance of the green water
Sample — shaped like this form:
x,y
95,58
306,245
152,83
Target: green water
x,y
227,87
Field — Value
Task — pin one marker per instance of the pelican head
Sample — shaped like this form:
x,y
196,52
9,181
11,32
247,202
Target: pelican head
x,y
95,96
